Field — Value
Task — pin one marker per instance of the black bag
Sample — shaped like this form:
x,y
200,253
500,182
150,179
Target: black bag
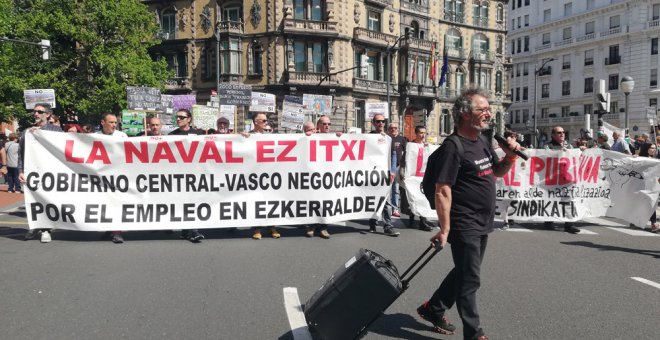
x,y
357,294
431,172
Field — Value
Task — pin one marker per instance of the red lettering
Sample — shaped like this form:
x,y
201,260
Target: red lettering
x,y
361,149
510,177
262,150
187,157
563,174
68,153
229,153
210,151
312,150
163,152
282,157
329,144
98,153
536,165
348,150
131,150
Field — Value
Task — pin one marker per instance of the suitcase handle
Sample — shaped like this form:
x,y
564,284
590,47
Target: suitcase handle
x,y
405,280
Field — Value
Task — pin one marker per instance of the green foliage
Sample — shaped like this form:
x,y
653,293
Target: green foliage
x,y
98,48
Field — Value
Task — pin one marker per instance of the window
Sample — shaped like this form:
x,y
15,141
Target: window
x,y
373,66
459,80
613,82
546,38
546,15
567,33
525,115
589,27
208,63
519,45
568,9
653,102
591,4
230,57
454,10
453,40
566,62
545,90
655,12
373,21
517,114
480,13
525,93
308,10
517,94
525,68
654,46
588,57
517,70
589,85
526,48
614,107
480,43
499,16
545,112
566,88
178,62
565,111
519,26
499,41
654,77
316,50
232,14
526,20
526,2
614,21
588,109
257,62
168,21
513,47
498,82
613,55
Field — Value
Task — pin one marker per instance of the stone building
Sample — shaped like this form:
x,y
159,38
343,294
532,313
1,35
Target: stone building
x,y
296,47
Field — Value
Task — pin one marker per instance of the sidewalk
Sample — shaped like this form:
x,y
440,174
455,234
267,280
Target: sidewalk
x,y
9,200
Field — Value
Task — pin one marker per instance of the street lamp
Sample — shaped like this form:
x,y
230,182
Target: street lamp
x,y
627,84
536,73
389,74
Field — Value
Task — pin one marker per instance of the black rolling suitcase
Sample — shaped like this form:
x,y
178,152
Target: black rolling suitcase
x,y
357,294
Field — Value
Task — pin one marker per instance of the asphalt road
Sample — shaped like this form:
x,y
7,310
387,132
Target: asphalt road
x,y
536,284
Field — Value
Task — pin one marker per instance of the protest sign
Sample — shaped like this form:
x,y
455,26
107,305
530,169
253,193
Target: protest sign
x,y
143,98
562,186
373,108
235,94
183,101
37,96
132,122
95,182
318,104
293,113
262,102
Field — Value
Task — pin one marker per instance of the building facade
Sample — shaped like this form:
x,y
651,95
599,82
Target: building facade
x,y
296,47
560,50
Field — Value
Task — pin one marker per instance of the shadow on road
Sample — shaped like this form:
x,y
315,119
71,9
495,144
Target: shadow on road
x,y
602,247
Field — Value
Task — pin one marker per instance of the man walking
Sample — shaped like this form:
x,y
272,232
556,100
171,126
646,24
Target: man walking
x,y
41,114
398,146
465,204
558,142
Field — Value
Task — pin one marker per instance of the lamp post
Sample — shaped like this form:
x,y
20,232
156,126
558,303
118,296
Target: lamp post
x,y
389,74
627,85
536,94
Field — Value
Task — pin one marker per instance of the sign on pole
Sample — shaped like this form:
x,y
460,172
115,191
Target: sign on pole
x,y
132,122
33,97
262,102
373,108
319,104
235,94
293,112
143,98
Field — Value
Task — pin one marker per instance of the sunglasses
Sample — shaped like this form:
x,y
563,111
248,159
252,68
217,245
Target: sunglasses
x,y
39,111
559,133
328,124
379,121
181,117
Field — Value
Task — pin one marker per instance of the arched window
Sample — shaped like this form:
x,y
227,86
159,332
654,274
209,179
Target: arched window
x,y
498,82
499,45
414,29
453,40
459,80
168,21
257,52
500,13
308,9
480,13
480,43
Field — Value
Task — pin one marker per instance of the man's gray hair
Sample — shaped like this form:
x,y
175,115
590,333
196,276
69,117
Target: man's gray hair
x,y
464,102
46,107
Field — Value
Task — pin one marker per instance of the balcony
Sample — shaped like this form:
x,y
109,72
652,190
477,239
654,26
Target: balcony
x,y
366,36
454,17
178,84
384,3
611,31
653,23
545,71
484,56
456,53
586,37
166,35
373,86
311,78
418,90
420,44
480,22
313,27
446,94
414,7
545,46
564,42
230,27
613,60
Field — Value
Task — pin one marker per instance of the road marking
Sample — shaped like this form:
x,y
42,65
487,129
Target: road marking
x,y
648,282
633,232
13,223
295,314
587,232
520,230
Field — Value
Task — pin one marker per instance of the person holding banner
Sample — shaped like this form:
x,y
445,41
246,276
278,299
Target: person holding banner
x,y
41,114
558,142
153,128
222,126
398,146
309,128
260,122
465,204
378,123
424,224
184,123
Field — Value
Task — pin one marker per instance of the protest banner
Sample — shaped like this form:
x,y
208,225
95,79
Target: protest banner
x,y
562,186
36,96
373,108
416,157
95,182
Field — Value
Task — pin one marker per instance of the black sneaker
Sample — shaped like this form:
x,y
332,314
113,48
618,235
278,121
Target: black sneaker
x,y
424,227
117,239
372,228
389,231
569,228
195,236
440,324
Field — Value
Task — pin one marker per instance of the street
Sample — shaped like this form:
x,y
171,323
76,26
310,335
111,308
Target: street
x,y
536,284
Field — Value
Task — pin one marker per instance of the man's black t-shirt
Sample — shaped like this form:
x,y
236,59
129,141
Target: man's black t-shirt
x,y
190,131
472,185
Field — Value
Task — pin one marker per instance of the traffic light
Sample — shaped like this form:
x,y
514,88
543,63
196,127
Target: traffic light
x,y
602,98
45,49
364,61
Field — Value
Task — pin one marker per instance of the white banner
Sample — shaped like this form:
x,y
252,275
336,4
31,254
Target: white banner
x,y
571,185
416,157
95,182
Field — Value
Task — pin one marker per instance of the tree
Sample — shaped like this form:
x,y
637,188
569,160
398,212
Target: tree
x,y
98,48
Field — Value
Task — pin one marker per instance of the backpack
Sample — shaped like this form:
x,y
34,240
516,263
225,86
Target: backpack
x,y
431,173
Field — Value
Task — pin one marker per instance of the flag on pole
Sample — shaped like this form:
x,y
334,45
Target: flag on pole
x,y
445,68
432,64
414,69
